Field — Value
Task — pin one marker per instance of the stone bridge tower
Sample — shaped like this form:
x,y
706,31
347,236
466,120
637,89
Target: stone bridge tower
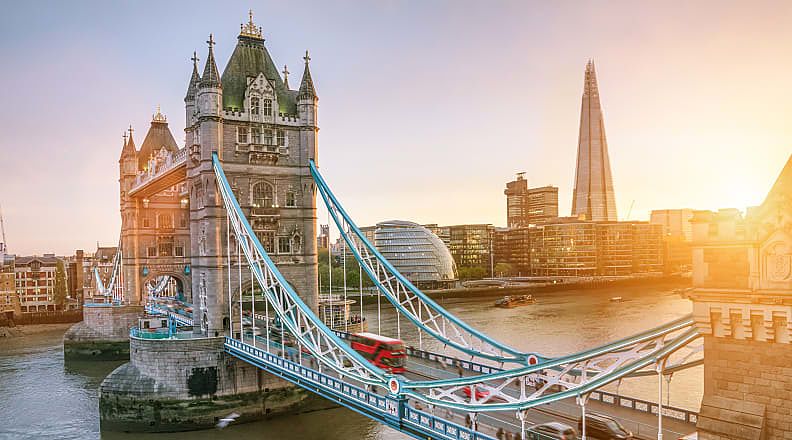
x,y
155,228
265,135
742,303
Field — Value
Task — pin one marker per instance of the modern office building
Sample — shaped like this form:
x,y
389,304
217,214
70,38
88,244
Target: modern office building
x,y
571,247
442,232
512,246
677,235
526,206
593,197
416,252
471,245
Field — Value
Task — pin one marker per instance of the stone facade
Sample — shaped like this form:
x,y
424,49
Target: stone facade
x,y
742,304
103,334
187,384
265,135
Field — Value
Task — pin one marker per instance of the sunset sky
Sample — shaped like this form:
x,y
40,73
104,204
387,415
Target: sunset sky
x,y
426,109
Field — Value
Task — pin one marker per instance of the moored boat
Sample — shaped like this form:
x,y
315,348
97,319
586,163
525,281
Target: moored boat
x,y
508,302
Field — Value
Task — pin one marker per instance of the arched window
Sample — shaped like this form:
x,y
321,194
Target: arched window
x,y
255,105
263,195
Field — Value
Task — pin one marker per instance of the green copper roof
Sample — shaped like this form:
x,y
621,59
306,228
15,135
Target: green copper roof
x,y
250,58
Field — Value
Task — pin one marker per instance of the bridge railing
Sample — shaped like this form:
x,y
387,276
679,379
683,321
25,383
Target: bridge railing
x,y
170,163
683,415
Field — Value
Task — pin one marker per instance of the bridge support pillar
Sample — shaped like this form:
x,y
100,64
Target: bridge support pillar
x,y
188,384
103,333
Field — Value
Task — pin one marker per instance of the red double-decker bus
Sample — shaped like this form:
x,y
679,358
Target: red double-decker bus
x,y
382,351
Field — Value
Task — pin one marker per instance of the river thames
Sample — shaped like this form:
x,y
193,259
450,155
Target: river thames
x,y
40,398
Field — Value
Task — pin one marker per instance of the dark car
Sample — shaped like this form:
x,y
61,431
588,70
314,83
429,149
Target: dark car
x,y
554,430
604,427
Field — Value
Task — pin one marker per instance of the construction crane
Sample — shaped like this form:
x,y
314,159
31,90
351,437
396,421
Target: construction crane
x,y
3,244
629,211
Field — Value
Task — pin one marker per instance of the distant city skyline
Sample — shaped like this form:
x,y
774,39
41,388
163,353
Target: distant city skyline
x,y
697,99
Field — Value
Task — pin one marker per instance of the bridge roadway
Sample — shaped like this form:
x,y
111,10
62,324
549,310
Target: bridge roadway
x,y
429,366
642,424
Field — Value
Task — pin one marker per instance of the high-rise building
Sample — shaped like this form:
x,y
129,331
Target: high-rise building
x,y
526,206
593,197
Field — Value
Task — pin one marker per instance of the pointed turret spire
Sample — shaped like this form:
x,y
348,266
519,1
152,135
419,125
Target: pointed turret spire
x,y
285,77
307,89
210,77
195,79
129,143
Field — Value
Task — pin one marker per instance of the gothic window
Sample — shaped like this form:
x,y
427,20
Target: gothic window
x,y
151,251
263,195
165,221
267,107
255,105
291,199
242,135
268,137
183,220
166,248
255,134
296,243
281,138
267,239
146,222
178,250
284,245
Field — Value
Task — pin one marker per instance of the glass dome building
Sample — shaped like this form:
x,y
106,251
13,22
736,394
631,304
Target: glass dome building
x,y
417,253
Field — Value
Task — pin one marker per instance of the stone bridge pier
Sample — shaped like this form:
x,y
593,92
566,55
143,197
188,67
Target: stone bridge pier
x,y
174,223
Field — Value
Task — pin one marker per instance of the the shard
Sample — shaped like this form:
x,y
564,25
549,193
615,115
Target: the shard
x,y
593,197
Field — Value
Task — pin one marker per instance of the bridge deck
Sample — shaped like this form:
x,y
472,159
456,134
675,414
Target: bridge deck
x,y
642,424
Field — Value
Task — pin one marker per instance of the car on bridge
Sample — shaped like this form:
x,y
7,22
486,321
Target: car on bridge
x,y
604,427
556,430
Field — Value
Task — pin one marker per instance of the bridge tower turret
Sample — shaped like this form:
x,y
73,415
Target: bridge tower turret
x,y
189,98
207,233
128,168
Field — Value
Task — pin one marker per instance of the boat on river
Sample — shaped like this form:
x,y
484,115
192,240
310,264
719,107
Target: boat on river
x,y
510,301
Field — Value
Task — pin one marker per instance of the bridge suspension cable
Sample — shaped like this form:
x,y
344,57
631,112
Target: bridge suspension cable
x,y
291,312
408,300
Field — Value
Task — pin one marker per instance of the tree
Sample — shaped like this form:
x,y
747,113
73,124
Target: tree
x,y
504,270
352,273
59,295
473,273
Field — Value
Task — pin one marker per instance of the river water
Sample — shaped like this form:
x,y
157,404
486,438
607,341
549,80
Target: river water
x,y
41,398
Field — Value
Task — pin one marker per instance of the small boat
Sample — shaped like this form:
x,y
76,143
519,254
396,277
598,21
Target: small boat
x,y
616,299
508,302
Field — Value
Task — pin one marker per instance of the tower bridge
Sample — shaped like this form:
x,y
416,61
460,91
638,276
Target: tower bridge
x,y
231,217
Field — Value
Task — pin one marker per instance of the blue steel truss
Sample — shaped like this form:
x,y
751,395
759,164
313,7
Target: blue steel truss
x,y
349,378
410,301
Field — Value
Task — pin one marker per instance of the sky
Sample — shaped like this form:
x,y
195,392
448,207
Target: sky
x,y
426,108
